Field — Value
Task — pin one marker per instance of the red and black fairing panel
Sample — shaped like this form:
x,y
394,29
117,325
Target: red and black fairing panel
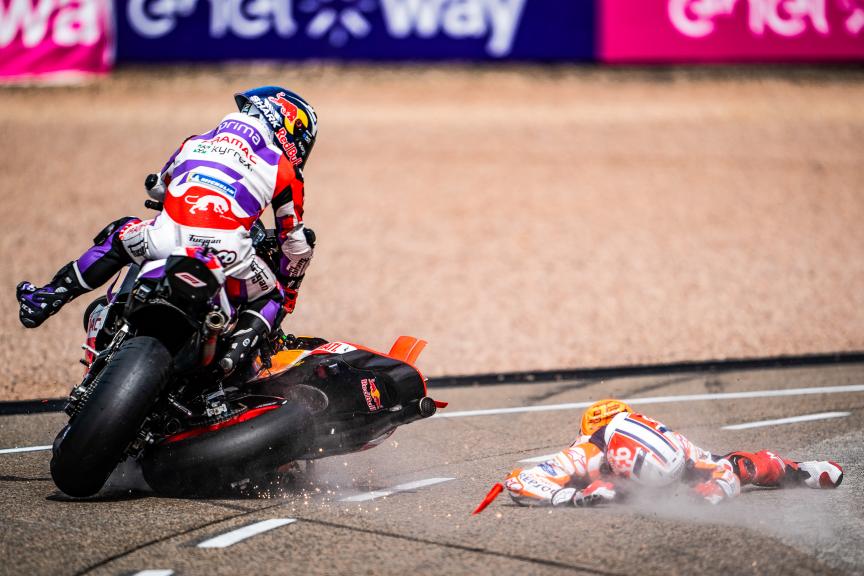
x,y
377,382
357,395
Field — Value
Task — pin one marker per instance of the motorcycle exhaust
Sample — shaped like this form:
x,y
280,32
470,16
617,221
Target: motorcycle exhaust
x,y
427,407
214,325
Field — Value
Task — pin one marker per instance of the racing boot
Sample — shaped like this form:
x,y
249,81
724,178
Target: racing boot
x,y
244,341
37,304
815,474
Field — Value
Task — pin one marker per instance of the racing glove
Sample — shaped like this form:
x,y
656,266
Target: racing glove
x,y
597,492
290,301
710,491
723,485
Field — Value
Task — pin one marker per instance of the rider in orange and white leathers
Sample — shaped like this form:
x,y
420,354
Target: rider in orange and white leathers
x,y
620,448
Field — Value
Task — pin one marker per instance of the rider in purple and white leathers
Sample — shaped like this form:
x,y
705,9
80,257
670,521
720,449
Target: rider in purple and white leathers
x,y
214,188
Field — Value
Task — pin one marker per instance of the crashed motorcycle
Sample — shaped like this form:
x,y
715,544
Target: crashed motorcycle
x,y
149,392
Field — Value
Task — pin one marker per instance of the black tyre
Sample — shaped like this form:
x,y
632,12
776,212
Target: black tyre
x,y
88,449
211,463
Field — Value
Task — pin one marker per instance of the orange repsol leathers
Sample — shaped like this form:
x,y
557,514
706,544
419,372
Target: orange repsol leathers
x,y
591,468
620,454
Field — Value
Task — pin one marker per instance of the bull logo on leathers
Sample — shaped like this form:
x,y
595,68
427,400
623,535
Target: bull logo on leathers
x,y
205,203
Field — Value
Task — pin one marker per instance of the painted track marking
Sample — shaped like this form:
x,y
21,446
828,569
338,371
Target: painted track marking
x,y
154,573
636,401
790,420
24,449
399,488
235,536
660,400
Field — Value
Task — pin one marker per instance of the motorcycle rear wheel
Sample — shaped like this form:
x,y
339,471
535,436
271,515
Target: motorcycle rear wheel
x,y
89,448
210,464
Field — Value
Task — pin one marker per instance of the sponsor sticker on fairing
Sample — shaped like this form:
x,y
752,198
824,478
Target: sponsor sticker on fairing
x,y
190,279
335,348
371,394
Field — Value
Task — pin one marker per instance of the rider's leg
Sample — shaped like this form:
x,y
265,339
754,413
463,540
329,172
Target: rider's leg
x,y
95,267
765,468
259,298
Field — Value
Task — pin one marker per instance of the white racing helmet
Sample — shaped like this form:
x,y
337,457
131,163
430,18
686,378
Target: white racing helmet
x,y
644,451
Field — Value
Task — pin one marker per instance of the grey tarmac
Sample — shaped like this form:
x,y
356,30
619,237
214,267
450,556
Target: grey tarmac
x,y
430,530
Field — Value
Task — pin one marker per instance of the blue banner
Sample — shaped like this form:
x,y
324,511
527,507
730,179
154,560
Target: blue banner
x,y
212,30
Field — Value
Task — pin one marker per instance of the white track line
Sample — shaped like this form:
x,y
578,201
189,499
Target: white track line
x,y
790,420
154,573
540,458
400,488
24,449
661,400
636,401
235,536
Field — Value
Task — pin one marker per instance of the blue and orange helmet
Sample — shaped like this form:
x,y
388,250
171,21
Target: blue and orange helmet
x,y
292,119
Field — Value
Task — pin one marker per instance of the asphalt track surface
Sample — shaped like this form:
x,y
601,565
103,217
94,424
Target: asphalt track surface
x,y
404,507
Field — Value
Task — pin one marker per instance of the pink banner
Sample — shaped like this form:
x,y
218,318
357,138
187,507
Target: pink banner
x,y
50,38
731,30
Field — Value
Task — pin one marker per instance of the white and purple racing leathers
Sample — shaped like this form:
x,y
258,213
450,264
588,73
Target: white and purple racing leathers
x,y
214,188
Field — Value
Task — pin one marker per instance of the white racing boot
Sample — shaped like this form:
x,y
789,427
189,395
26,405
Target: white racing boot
x,y
825,474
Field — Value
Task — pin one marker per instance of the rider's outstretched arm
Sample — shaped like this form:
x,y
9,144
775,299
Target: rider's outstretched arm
x,y
296,242
537,486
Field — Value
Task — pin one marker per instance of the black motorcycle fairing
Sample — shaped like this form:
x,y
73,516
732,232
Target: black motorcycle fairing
x,y
401,381
190,281
150,318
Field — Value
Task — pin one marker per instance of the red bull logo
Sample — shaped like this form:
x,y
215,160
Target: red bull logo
x,y
371,394
290,111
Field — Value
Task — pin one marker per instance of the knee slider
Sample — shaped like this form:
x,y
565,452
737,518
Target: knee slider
x,y
112,228
743,466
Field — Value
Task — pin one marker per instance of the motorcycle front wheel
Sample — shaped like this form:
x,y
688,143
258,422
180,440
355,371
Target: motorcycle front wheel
x,y
89,448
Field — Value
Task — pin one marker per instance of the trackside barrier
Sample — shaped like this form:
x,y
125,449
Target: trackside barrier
x,y
208,30
644,31
42,39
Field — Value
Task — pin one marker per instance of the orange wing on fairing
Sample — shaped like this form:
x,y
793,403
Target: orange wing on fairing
x,y
407,349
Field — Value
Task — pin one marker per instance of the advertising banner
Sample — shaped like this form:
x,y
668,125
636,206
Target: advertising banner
x,y
731,30
202,30
46,38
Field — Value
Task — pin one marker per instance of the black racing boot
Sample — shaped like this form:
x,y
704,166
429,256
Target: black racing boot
x,y
244,342
37,304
